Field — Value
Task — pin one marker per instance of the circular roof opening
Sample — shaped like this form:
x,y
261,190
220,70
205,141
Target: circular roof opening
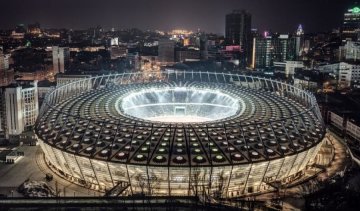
x,y
180,105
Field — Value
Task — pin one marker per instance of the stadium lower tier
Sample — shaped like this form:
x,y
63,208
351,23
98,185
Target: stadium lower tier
x,y
220,181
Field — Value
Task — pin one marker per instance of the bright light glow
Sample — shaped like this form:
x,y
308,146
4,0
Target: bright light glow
x,y
180,104
355,10
177,118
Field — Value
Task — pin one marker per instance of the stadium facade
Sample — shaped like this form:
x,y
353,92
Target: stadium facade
x,y
180,133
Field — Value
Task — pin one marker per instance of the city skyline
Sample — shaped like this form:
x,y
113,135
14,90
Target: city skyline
x,y
180,105
278,16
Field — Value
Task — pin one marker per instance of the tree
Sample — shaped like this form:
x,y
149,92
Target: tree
x,y
141,182
194,181
153,184
220,185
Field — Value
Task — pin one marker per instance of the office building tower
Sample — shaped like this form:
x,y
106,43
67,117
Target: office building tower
x,y
134,60
347,74
61,59
18,32
203,47
186,41
283,48
350,51
166,51
262,52
299,41
6,74
351,26
20,108
34,29
292,66
118,51
20,28
183,55
276,48
238,32
114,41
2,59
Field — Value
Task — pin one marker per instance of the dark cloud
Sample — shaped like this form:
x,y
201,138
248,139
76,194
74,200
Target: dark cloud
x,y
208,15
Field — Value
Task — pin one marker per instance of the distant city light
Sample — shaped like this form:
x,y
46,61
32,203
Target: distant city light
x,y
355,10
178,32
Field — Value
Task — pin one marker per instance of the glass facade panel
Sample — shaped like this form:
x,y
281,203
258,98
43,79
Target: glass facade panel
x,y
179,181
118,172
102,174
220,180
87,170
158,182
239,177
286,167
138,179
273,170
297,164
255,177
65,168
74,166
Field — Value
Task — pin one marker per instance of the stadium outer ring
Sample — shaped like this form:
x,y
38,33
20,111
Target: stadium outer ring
x,y
219,181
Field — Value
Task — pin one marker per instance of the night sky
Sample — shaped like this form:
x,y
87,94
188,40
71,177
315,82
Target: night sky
x,y
208,15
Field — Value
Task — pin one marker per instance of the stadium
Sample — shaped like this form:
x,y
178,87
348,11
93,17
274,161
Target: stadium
x,y
180,133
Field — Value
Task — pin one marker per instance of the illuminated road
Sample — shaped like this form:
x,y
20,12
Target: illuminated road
x,y
63,185
32,166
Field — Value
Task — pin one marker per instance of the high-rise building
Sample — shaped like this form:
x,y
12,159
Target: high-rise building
x,y
347,74
350,51
114,41
117,51
262,52
292,66
283,48
299,41
276,48
238,32
187,54
351,26
96,32
6,74
2,59
20,28
34,28
134,60
186,41
166,51
20,107
203,47
61,59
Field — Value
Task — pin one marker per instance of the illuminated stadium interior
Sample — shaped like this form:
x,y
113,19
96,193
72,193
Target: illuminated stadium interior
x,y
179,104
